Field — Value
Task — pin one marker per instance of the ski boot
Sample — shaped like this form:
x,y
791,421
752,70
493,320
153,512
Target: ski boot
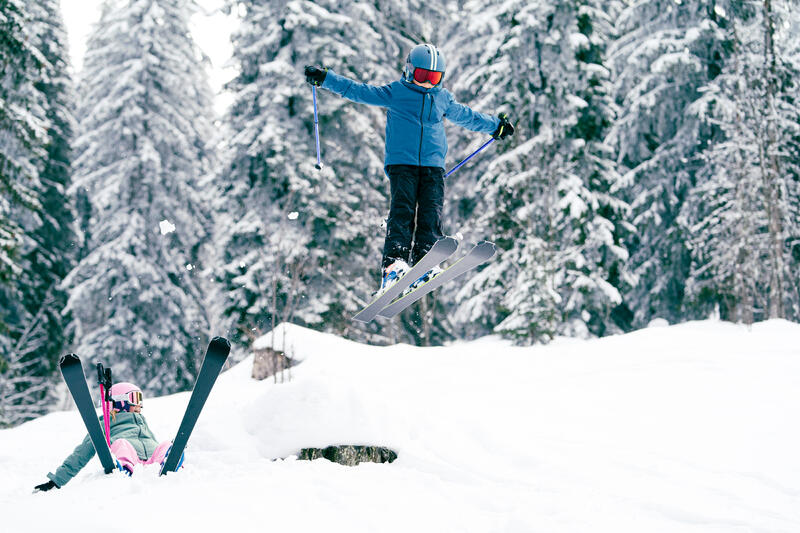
x,y
392,274
126,468
180,461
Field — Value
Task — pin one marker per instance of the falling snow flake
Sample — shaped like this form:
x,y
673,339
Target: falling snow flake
x,y
165,226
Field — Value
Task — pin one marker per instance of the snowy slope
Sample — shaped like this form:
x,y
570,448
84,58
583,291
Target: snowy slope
x,y
689,428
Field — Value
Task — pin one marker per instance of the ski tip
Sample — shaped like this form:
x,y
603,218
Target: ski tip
x,y
446,244
69,359
488,245
221,344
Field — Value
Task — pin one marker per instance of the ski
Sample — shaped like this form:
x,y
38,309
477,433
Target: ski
x,y
441,250
216,354
72,370
478,254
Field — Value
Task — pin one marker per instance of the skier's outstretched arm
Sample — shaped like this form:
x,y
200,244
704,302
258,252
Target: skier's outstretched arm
x,y
74,463
469,119
362,93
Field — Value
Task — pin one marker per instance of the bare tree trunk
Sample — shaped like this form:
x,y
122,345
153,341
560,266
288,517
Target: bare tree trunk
x,y
742,295
285,352
771,172
743,299
288,366
297,271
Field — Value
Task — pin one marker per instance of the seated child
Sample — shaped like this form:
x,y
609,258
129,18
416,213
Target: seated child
x,y
132,442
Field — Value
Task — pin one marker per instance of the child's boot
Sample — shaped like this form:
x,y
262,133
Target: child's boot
x,y
392,274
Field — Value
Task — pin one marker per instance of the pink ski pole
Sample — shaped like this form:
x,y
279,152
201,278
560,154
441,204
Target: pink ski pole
x,y
104,378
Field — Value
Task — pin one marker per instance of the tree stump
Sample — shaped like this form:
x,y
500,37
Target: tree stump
x,y
268,362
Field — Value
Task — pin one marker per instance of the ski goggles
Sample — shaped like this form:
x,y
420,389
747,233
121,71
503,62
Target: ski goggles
x,y
133,397
421,75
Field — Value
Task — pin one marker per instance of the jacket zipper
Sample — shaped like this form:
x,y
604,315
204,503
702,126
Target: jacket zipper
x,y
421,128
144,446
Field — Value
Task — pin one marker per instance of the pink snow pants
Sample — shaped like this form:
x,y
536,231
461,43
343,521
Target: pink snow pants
x,y
126,453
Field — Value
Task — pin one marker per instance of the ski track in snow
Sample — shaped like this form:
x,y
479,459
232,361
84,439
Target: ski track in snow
x,y
688,428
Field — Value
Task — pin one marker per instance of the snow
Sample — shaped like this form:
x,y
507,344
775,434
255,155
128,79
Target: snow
x,y
578,41
684,428
165,227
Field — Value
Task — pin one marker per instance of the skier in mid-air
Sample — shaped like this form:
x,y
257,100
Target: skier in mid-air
x,y
132,442
415,151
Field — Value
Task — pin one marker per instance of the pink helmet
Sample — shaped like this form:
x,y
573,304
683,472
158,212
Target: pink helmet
x,y
124,395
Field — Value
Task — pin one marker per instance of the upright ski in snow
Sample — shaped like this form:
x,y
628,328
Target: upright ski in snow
x,y
441,250
478,254
217,353
72,370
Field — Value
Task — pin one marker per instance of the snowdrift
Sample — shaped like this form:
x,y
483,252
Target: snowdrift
x,y
682,428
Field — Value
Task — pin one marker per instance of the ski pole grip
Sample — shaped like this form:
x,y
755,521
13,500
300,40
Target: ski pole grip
x,y
104,380
108,384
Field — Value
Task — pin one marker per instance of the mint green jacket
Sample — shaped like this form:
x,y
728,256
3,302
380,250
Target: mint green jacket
x,y
129,426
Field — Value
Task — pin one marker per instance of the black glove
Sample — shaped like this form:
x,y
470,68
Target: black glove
x,y
44,487
505,129
315,76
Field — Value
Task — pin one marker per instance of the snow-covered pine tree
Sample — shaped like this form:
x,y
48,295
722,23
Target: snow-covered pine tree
x,y
740,214
547,199
790,54
143,120
779,145
25,372
492,69
666,51
22,128
264,242
306,244
590,220
53,250
35,299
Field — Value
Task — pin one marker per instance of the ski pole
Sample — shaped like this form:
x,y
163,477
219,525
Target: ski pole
x,y
316,125
487,143
104,379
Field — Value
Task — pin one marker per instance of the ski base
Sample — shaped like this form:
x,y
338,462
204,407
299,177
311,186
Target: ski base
x,y
72,371
216,354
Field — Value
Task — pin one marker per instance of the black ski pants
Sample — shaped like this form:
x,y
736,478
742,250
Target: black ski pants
x,y
415,213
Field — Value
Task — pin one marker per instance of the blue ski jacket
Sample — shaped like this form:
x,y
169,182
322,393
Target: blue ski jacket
x,y
414,120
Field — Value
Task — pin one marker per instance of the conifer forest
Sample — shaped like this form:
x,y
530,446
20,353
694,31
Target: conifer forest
x,y
654,175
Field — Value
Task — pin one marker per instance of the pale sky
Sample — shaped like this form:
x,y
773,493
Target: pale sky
x,y
211,31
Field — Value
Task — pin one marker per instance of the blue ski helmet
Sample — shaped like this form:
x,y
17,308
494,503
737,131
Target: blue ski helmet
x,y
424,56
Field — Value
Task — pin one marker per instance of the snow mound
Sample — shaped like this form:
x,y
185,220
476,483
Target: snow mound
x,y
673,428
